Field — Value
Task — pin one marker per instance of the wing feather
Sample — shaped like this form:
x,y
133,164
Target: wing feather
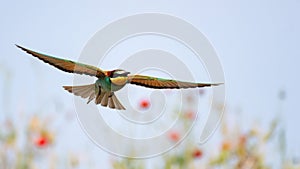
x,y
66,65
159,83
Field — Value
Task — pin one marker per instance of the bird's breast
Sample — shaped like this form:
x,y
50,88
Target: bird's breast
x,y
120,81
112,84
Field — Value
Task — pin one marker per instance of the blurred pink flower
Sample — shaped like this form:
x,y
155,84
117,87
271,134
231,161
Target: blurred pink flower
x,y
190,99
201,92
242,140
190,115
174,136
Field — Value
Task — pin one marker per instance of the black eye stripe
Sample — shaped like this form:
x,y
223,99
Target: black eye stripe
x,y
119,73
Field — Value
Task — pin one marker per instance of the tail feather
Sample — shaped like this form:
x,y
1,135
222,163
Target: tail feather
x,y
111,103
92,96
106,99
117,103
99,97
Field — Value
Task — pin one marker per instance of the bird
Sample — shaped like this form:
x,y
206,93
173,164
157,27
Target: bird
x,y
109,81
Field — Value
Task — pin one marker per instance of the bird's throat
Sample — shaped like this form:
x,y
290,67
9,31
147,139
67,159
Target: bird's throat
x,y
104,83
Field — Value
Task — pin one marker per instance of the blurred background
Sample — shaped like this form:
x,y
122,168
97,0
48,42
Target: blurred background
x,y
257,44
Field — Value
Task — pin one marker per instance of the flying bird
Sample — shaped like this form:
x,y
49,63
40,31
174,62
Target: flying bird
x,y
108,82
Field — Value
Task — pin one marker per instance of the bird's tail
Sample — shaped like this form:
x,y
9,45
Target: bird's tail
x,y
92,91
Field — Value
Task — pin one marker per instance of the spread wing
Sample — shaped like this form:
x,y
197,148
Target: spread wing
x,y
66,65
159,83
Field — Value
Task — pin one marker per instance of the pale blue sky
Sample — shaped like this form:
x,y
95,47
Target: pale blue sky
x,y
257,43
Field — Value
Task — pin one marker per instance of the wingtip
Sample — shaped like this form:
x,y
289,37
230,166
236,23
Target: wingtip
x,y
18,46
217,84
21,47
68,88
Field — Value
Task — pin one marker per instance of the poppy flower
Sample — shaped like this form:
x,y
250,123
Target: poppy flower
x,y
41,142
197,153
144,104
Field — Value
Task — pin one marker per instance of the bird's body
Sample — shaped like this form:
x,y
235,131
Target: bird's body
x,y
108,82
112,84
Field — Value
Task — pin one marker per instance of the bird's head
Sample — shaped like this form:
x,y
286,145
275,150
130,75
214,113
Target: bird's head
x,y
118,73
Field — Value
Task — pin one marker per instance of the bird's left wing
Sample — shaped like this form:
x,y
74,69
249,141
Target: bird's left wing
x,y
66,65
159,83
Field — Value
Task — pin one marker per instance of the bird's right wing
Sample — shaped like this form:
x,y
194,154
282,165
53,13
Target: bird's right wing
x,y
66,65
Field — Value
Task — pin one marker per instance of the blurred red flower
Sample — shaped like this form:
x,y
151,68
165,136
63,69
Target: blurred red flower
x,y
144,104
197,153
41,142
174,136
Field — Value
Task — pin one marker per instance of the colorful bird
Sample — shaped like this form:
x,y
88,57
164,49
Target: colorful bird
x,y
108,82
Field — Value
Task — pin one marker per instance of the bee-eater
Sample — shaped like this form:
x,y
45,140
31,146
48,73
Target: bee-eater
x,y
108,82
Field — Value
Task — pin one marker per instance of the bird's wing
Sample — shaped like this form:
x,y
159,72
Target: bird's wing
x,y
66,65
159,83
